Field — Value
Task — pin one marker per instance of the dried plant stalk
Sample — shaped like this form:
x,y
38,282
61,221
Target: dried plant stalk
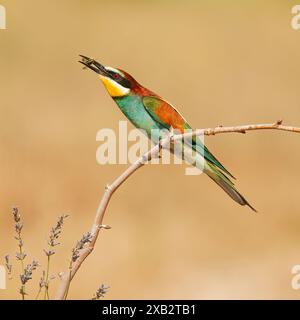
x,y
52,243
20,255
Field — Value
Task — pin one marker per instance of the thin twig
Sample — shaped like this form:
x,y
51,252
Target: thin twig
x,y
154,152
251,127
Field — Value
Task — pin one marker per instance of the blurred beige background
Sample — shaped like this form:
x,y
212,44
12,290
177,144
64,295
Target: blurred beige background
x,y
173,236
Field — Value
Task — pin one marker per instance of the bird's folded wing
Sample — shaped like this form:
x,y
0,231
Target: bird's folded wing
x,y
162,112
167,116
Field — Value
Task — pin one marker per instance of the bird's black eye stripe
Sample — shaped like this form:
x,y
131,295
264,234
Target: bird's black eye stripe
x,y
114,75
118,78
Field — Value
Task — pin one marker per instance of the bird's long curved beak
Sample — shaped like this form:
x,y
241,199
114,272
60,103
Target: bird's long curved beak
x,y
93,65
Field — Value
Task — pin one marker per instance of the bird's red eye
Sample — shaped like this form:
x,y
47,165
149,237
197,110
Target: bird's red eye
x,y
116,76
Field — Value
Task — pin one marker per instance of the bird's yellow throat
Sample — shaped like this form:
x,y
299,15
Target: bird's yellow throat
x,y
114,88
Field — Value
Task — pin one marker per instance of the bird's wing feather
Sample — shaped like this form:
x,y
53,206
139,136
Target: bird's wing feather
x,y
163,112
167,116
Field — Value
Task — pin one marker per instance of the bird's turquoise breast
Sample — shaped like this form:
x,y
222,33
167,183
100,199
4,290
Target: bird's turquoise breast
x,y
133,108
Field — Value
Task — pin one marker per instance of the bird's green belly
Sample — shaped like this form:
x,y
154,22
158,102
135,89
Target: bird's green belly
x,y
133,109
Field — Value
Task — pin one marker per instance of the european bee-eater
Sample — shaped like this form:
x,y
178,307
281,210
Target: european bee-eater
x,y
148,111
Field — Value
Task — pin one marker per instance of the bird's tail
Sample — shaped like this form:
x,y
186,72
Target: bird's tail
x,y
224,182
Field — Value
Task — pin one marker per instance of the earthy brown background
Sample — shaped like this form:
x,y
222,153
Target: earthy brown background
x,y
172,236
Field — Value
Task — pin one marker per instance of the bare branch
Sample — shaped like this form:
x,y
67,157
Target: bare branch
x,y
154,152
251,127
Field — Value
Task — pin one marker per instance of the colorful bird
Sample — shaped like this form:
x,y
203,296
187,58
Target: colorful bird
x,y
148,111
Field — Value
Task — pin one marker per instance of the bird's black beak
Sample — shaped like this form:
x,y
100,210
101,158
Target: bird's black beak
x,y
93,65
